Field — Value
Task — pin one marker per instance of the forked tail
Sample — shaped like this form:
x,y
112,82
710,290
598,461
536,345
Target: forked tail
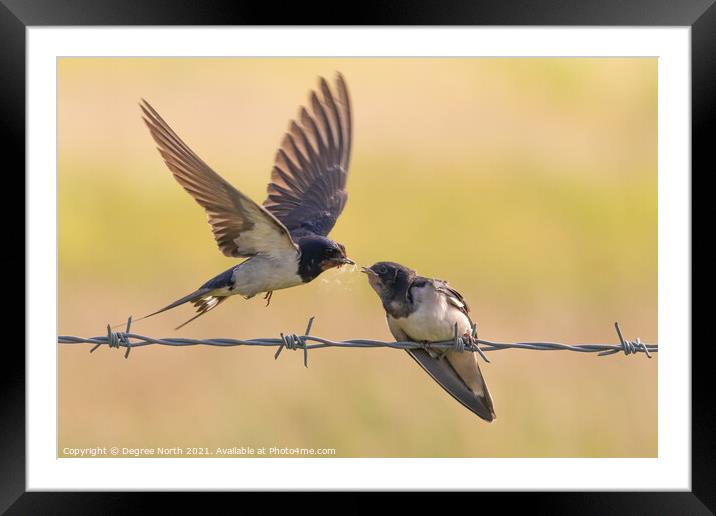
x,y
202,299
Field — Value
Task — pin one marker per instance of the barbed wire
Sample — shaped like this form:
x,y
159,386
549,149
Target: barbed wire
x,y
467,342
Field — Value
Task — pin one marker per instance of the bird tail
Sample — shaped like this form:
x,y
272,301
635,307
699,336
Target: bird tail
x,y
204,304
202,299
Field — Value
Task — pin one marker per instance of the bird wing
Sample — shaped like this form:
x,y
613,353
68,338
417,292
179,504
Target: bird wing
x,y
240,226
453,296
307,191
459,374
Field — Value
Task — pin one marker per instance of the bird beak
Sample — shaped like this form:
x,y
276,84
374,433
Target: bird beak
x,y
368,270
338,262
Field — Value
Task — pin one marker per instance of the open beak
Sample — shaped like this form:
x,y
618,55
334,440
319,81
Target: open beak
x,y
368,270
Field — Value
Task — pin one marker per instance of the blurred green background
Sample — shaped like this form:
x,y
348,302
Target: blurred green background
x,y
529,184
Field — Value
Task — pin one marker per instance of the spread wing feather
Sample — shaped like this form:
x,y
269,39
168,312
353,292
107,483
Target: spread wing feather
x,y
307,191
240,226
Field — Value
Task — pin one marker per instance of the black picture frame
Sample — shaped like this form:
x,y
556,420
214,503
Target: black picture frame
x,y
16,15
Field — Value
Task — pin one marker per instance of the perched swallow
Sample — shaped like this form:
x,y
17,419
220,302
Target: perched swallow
x,y
285,240
426,310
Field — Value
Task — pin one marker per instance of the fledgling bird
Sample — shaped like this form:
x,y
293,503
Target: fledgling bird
x,y
285,239
422,309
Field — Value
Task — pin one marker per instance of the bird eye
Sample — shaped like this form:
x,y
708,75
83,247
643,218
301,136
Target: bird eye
x,y
382,269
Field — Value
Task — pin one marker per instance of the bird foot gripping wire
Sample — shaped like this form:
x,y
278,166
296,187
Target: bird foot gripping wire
x,y
116,339
627,346
466,342
293,342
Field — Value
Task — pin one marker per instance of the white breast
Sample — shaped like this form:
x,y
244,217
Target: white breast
x,y
263,273
435,318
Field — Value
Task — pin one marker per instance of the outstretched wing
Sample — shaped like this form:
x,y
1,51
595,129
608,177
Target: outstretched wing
x,y
241,227
308,181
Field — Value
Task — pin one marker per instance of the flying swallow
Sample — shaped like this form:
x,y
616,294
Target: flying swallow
x,y
426,310
285,239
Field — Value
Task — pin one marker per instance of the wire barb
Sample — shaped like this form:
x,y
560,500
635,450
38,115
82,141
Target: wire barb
x,y
476,343
115,339
129,344
468,342
293,342
629,347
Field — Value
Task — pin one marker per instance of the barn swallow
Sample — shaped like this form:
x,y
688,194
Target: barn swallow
x,y
285,239
426,310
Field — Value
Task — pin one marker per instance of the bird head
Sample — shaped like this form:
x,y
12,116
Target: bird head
x,y
318,254
388,278
333,254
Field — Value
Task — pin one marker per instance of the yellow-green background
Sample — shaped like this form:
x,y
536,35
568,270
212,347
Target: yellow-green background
x,y
529,184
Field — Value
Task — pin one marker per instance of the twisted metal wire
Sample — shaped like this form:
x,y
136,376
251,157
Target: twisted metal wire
x,y
294,342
